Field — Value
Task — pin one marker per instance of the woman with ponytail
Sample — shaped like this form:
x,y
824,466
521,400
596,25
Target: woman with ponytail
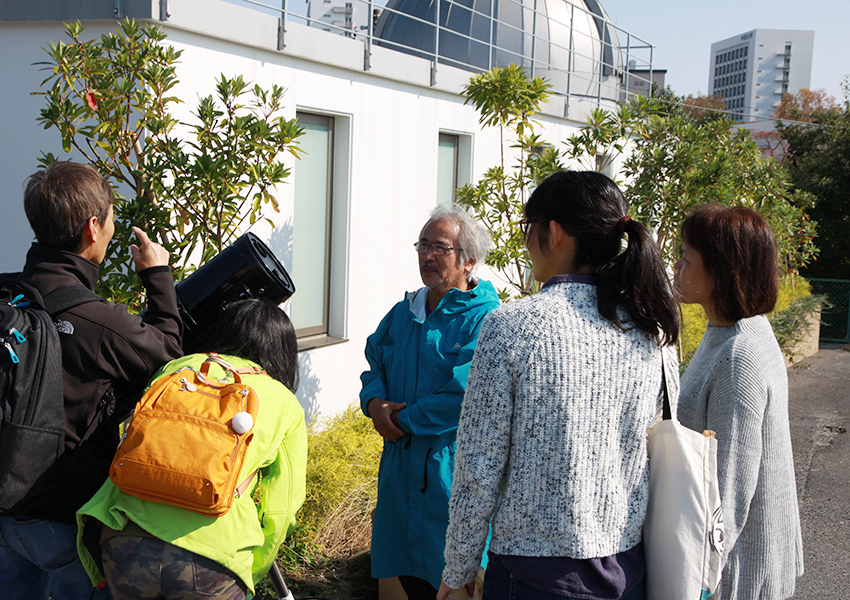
x,y
563,384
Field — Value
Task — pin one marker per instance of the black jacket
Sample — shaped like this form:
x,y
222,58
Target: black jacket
x,y
109,348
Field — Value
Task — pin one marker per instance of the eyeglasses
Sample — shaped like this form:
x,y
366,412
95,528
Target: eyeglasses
x,y
437,249
523,225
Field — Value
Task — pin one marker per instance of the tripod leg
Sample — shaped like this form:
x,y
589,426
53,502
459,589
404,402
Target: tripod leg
x,y
279,584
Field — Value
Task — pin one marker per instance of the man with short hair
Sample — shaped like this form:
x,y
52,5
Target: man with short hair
x,y
419,360
108,355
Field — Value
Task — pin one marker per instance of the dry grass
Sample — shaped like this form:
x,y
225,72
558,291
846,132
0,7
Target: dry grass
x,y
327,556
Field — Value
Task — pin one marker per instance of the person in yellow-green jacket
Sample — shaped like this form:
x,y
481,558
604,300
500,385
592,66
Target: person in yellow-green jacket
x,y
148,550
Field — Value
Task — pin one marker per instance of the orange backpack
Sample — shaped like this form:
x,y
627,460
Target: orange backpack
x,y
187,441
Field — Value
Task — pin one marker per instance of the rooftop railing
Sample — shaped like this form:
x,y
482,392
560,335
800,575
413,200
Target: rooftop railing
x,y
578,51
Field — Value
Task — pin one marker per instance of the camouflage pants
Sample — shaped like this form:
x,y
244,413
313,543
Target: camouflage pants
x,y
146,568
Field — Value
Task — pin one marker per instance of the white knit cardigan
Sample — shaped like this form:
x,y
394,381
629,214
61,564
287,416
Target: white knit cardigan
x,y
552,435
737,385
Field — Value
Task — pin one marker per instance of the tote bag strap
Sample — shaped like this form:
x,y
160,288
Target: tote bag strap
x,y
666,412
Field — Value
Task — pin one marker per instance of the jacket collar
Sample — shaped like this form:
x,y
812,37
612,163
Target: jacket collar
x,y
455,301
59,265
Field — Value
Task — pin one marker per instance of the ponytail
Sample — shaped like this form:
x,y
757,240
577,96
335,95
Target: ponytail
x,y
636,281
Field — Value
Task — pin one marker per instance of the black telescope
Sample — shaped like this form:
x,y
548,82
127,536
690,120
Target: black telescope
x,y
245,269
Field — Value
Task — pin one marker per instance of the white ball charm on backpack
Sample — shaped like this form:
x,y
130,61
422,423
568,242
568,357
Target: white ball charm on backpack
x,y
242,422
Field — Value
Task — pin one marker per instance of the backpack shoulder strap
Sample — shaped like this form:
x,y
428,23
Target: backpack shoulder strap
x,y
60,299
68,296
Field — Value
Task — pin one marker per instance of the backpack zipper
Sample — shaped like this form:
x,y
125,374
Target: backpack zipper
x,y
12,355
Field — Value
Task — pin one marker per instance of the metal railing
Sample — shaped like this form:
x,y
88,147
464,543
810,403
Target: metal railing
x,y
835,318
579,52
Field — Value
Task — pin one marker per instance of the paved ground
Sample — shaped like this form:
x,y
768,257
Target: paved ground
x,y
820,432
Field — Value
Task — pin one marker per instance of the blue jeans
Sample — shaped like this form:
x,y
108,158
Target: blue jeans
x,y
39,559
499,584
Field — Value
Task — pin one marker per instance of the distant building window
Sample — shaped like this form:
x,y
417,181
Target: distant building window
x,y
447,161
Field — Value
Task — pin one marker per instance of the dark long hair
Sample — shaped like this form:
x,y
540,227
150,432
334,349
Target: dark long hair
x,y
738,253
260,332
591,209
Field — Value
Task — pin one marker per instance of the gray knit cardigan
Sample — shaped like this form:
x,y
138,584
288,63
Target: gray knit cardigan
x,y
737,385
552,435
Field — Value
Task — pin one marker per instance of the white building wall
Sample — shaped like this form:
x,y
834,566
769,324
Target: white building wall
x,y
388,121
767,76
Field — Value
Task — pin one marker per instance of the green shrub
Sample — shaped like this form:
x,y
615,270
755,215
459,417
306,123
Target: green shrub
x,y
335,523
342,476
793,305
694,322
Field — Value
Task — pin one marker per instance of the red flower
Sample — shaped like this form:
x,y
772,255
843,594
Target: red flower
x,y
91,100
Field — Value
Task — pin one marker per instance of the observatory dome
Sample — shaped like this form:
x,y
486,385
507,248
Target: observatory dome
x,y
571,43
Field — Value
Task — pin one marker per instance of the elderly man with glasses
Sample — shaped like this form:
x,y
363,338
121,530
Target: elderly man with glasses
x,y
419,360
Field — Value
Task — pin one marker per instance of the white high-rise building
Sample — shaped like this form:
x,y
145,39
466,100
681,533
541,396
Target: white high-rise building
x,y
752,71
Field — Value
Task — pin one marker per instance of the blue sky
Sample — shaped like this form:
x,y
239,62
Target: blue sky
x,y
682,32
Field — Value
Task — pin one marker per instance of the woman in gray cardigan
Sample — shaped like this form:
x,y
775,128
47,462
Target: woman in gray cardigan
x,y
736,385
552,438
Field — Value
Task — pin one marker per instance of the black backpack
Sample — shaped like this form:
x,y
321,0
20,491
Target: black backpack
x,y
32,430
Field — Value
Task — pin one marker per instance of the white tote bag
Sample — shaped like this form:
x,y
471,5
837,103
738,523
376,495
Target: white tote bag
x,y
683,531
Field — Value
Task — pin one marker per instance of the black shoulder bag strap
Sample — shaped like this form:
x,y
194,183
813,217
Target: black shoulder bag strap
x,y
666,412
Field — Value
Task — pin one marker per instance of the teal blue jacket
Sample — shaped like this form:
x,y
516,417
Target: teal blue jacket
x,y
425,363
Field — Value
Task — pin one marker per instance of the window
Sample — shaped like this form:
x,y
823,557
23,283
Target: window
x,y
447,160
454,164
312,218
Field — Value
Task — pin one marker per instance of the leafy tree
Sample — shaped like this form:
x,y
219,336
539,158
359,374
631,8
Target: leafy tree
x,y
698,107
771,143
605,136
818,161
805,105
701,109
677,161
508,98
110,100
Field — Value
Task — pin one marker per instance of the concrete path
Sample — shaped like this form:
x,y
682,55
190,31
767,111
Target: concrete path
x,y
819,409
